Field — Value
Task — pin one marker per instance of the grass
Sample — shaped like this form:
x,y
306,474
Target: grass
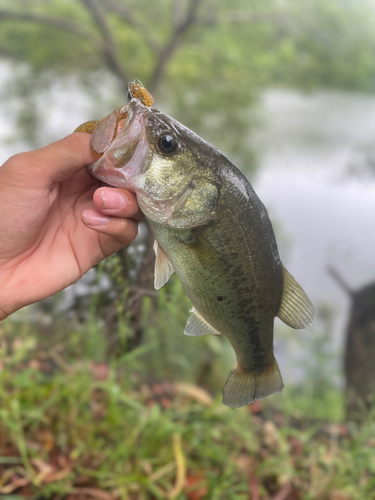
x,y
85,429
150,424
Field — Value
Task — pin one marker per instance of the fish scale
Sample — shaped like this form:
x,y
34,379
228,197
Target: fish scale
x,y
213,231
207,269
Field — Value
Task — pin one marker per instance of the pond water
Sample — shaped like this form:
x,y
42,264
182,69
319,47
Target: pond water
x,y
312,153
310,147
323,213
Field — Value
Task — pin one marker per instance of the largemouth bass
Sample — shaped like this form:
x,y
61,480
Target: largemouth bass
x,y
213,231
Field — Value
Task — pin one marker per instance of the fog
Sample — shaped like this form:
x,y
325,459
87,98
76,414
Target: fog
x,y
312,150
308,151
320,195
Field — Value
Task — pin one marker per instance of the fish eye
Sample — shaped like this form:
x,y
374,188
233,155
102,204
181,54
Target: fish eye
x,y
166,143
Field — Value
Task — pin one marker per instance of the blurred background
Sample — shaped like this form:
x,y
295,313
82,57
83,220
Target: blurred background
x,y
101,394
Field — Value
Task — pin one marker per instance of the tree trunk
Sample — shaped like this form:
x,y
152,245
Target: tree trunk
x,y
136,290
359,358
359,362
145,285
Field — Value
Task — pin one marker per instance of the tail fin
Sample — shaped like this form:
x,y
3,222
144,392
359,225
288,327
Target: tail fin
x,y
242,387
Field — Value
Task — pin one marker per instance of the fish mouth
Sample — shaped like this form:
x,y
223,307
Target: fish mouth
x,y
128,154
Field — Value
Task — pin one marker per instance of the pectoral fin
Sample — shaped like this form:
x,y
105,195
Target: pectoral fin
x,y
197,325
163,267
296,310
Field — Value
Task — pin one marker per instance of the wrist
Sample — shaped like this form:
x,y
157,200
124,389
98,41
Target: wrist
x,y
3,314
8,304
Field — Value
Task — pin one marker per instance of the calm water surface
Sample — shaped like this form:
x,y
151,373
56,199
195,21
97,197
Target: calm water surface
x,y
323,214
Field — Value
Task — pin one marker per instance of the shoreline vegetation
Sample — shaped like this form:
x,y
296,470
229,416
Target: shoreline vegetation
x,y
72,428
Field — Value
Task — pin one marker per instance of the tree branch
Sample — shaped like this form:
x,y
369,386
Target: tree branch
x,y
108,47
340,281
177,12
56,22
190,17
171,46
288,23
253,17
126,15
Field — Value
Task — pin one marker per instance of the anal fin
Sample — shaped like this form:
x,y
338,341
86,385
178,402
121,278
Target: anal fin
x,y
197,325
296,309
163,267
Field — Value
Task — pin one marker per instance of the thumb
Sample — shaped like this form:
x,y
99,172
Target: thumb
x,y
56,162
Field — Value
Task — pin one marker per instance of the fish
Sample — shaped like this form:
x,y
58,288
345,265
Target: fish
x,y
213,232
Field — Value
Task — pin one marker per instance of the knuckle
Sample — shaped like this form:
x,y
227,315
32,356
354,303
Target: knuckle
x,y
75,143
78,145
127,233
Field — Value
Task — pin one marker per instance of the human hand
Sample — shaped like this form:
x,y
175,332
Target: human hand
x,y
55,223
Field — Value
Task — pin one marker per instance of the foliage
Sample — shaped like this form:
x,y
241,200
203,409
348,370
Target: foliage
x,y
111,426
101,430
204,61
165,351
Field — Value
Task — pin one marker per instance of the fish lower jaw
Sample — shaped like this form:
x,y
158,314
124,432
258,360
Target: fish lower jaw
x,y
156,211
111,177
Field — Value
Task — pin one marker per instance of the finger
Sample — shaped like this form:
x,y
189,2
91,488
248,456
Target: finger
x,y
121,231
117,202
57,161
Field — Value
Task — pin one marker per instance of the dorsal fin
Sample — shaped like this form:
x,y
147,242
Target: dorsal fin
x,y
197,325
163,267
296,310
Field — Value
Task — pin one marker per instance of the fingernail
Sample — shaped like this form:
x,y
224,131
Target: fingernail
x,y
111,199
93,218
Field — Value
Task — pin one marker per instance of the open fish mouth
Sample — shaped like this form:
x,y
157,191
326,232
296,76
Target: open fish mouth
x,y
128,153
